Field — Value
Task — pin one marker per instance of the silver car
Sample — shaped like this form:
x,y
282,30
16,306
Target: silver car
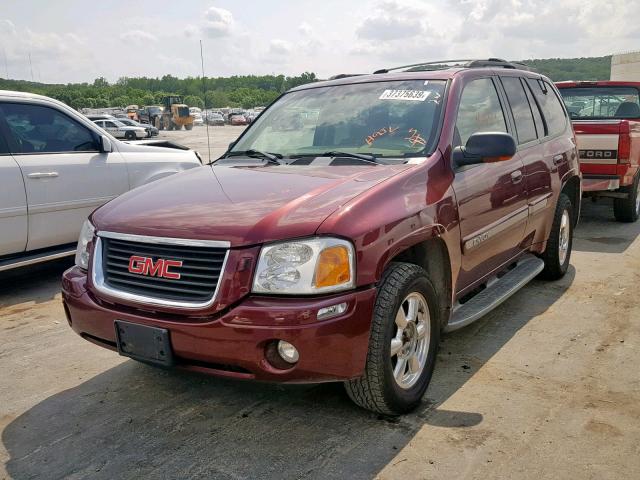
x,y
56,167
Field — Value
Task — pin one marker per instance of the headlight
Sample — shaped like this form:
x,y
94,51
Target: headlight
x,y
82,253
317,265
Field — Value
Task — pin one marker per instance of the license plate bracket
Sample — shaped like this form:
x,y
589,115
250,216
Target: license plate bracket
x,y
144,343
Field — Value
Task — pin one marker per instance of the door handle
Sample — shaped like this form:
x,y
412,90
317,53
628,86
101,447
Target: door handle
x,y
558,159
516,177
43,175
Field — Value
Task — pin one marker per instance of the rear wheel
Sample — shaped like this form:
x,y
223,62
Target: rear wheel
x,y
628,209
558,252
404,337
188,126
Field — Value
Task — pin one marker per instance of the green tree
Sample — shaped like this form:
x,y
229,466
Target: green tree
x,y
194,101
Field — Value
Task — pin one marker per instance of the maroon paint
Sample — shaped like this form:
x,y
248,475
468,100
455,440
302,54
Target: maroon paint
x,y
382,209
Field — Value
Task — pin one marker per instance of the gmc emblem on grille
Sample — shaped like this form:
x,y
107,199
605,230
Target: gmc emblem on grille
x,y
159,268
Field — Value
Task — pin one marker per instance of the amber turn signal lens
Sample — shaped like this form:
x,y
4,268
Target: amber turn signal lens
x,y
333,267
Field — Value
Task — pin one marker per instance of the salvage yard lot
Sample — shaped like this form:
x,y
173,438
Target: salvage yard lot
x,y
545,386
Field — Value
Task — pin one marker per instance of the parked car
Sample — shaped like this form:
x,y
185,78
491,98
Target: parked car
x,y
196,113
215,119
57,167
150,130
118,129
341,251
238,119
606,119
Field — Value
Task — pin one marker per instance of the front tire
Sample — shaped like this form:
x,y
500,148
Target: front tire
x,y
628,209
403,343
130,135
557,254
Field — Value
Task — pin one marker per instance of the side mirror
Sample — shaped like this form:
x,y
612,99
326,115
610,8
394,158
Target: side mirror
x,y
105,144
485,147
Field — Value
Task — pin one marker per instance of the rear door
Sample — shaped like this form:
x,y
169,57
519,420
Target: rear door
x,y
492,201
65,175
13,201
530,135
544,176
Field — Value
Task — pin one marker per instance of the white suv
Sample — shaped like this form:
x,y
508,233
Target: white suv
x,y
56,167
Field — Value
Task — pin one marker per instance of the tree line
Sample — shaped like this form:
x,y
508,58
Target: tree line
x,y
245,91
237,91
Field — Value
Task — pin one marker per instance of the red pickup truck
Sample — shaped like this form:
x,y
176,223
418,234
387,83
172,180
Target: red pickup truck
x,y
348,226
606,119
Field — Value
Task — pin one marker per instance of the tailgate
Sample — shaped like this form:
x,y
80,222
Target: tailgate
x,y
598,144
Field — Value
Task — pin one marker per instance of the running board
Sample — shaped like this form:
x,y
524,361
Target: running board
x,y
30,259
497,291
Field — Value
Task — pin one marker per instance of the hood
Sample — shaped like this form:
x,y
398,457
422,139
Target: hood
x,y
243,205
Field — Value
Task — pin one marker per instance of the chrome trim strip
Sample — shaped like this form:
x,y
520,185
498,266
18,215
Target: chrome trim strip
x,y
165,240
32,261
478,239
97,274
539,204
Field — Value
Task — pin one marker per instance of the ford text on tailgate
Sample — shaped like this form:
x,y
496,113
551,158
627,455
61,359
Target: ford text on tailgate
x,y
350,224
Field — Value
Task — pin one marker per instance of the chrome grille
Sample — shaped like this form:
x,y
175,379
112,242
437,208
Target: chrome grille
x,y
200,272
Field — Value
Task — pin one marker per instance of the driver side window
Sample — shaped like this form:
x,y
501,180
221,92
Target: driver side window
x,y
479,111
40,129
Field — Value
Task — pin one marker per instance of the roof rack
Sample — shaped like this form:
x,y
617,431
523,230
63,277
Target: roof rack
x,y
464,63
345,75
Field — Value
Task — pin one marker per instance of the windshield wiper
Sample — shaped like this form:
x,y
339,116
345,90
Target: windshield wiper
x,y
335,154
271,157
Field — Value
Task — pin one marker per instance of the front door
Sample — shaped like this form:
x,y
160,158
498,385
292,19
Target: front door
x,y
65,175
492,199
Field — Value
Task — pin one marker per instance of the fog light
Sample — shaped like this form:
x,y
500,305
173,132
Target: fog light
x,y
332,311
288,352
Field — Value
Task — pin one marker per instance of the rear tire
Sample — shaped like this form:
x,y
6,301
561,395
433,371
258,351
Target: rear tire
x,y
557,254
405,297
628,209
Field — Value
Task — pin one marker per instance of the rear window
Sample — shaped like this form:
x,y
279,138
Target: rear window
x,y
520,108
601,102
551,106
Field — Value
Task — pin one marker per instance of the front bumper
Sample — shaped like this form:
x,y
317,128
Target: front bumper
x,y
233,343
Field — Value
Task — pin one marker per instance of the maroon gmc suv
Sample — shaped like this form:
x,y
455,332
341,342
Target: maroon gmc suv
x,y
347,227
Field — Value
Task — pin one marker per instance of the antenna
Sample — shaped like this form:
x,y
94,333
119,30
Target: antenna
x,y
31,65
6,64
206,113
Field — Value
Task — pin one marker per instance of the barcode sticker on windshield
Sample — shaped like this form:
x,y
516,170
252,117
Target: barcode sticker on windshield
x,y
411,95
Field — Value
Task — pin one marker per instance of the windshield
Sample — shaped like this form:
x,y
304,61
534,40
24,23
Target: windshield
x,y
391,119
601,102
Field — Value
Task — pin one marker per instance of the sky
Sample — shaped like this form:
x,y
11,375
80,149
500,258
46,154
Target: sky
x,y
65,41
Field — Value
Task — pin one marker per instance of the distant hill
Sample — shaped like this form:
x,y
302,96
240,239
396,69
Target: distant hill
x,y
585,68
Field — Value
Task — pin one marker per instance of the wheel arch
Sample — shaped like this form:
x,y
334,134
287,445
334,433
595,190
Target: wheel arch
x,y
432,254
572,189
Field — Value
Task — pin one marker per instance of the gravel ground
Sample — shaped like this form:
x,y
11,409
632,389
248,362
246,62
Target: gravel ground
x,y
546,386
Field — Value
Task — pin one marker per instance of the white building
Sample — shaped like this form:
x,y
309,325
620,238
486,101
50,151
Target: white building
x,y
626,66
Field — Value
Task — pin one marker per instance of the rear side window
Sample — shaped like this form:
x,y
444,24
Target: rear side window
x,y
520,108
479,111
551,106
40,129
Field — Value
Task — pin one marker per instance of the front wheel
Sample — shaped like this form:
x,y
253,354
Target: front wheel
x,y
558,251
628,209
188,126
130,135
405,331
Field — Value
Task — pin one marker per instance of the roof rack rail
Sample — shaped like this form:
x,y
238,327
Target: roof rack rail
x,y
463,63
345,75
